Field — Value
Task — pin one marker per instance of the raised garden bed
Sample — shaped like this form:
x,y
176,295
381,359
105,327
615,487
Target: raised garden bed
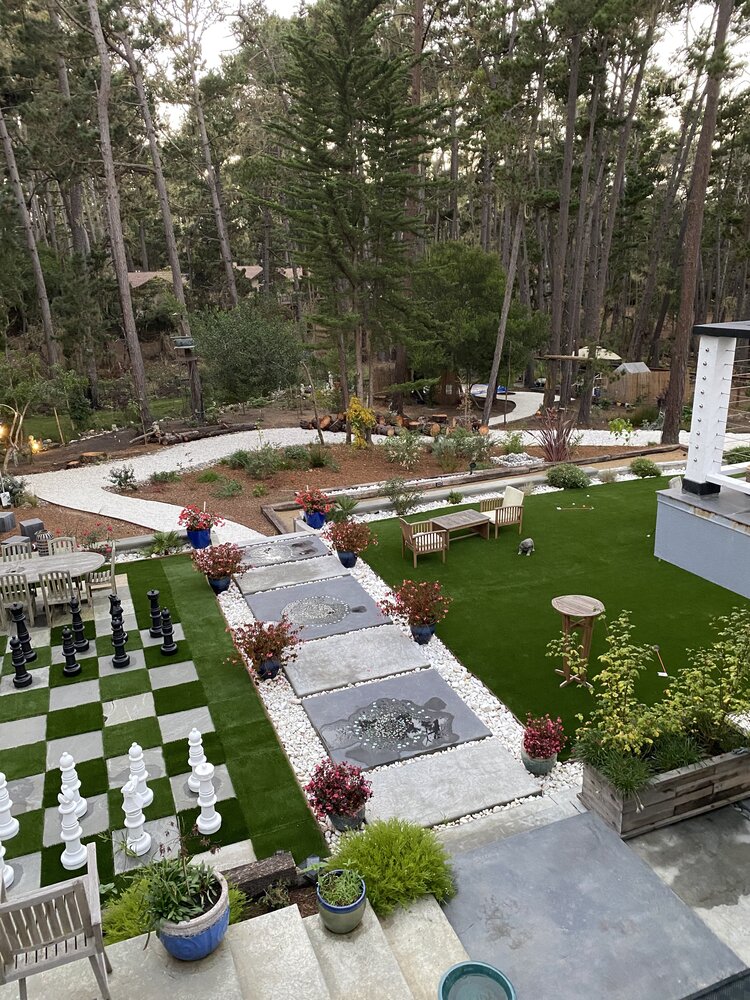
x,y
670,797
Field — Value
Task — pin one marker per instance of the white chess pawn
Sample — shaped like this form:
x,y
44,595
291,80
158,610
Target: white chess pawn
x,y
8,824
7,872
196,756
70,780
139,772
74,855
138,839
209,820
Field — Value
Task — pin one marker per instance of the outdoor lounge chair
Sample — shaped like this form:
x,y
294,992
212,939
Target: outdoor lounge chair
x,y
505,510
422,539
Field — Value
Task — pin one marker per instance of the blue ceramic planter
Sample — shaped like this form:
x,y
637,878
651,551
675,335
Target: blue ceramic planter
x,y
342,919
220,584
195,939
199,539
347,559
315,519
422,634
475,981
268,669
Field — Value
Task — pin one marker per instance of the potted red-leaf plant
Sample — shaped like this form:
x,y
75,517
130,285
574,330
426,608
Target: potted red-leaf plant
x,y
267,645
543,739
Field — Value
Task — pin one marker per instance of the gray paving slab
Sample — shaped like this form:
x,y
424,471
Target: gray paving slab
x,y
171,674
185,799
326,607
283,549
392,719
446,786
706,862
86,746
41,680
286,574
95,820
324,664
129,623
22,732
178,634
570,911
28,874
177,725
75,694
165,843
26,794
137,662
118,768
135,706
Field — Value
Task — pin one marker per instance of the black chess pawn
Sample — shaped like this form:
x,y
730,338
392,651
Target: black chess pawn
x,y
80,641
18,614
168,645
22,678
117,623
121,658
72,666
155,612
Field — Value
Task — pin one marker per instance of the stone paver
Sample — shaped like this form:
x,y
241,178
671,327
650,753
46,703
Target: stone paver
x,y
26,794
28,878
95,820
137,662
41,680
178,633
286,574
178,725
87,746
173,673
326,607
136,706
185,799
118,768
165,843
23,732
76,694
285,549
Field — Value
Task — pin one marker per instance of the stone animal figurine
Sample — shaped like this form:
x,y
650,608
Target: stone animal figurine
x,y
526,547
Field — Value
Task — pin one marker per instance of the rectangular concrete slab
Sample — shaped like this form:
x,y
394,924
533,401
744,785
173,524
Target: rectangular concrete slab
x,y
283,549
570,911
286,574
424,943
393,719
447,786
324,664
326,607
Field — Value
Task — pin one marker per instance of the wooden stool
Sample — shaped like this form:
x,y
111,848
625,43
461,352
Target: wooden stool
x,y
578,613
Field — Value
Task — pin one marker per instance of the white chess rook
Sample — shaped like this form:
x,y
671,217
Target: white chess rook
x,y
7,872
209,820
8,824
71,781
196,756
139,772
74,855
138,839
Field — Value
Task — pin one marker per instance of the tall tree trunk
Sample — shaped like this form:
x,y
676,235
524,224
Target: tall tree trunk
x,y
50,341
116,238
455,228
502,326
142,245
691,246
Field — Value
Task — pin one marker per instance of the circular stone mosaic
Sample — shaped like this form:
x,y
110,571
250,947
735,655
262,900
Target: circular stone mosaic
x,y
395,724
316,611
279,552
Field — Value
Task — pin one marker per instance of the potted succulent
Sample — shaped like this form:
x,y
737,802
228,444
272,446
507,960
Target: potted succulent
x,y
349,539
267,645
543,739
316,506
198,524
187,905
342,895
422,605
219,563
339,792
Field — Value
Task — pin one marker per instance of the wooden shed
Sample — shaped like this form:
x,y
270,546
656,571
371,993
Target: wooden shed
x,y
635,383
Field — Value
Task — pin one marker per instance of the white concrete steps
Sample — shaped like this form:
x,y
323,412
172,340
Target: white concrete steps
x,y
360,965
274,957
424,943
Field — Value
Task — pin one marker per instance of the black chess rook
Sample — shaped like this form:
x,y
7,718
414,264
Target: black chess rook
x,y
168,645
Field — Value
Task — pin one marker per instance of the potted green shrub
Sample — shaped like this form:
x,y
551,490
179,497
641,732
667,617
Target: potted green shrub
x,y
219,563
187,905
339,792
422,605
349,539
342,895
266,645
543,739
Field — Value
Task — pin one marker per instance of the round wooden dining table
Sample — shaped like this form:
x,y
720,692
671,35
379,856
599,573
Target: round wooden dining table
x,y
78,564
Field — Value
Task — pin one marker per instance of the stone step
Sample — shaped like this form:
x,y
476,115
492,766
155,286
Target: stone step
x,y
230,856
274,957
424,943
254,581
360,965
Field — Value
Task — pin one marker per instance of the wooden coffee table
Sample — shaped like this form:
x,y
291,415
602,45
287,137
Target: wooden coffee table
x,y
468,521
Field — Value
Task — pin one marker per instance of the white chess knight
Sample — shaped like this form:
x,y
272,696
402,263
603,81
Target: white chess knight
x,y
138,840
209,820
74,855
196,756
8,824
139,772
71,781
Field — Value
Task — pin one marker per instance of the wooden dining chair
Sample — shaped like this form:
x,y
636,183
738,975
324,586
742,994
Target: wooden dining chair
x,y
104,579
14,589
59,546
17,550
57,590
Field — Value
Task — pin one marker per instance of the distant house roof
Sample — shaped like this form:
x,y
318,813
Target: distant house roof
x,y
632,368
138,278
251,271
599,353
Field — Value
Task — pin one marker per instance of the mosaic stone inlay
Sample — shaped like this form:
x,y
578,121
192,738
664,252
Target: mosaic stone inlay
x,y
319,608
395,724
317,611
280,552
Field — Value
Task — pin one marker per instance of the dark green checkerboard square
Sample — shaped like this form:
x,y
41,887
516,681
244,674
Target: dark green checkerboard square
x,y
117,739
24,704
53,871
91,773
28,840
56,633
176,754
20,762
232,829
155,657
124,684
89,671
3,641
43,659
104,645
163,804
72,721
179,698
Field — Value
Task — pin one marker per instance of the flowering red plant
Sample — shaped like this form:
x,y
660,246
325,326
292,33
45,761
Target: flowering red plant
x,y
350,536
263,641
543,737
194,519
419,603
314,501
337,789
218,561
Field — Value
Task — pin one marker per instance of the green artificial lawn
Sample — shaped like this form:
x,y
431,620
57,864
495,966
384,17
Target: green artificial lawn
x,y
501,619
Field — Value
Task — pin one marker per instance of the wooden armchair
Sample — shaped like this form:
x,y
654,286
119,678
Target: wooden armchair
x,y
422,539
505,510
104,579
57,590
14,589
52,927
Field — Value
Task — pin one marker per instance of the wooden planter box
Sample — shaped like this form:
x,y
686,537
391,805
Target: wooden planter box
x,y
670,797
